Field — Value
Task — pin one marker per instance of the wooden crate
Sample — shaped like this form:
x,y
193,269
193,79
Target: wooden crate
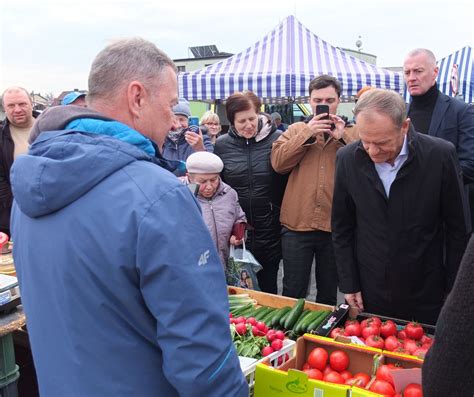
x,y
271,300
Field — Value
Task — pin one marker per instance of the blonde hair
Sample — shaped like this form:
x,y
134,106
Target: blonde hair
x,y
209,116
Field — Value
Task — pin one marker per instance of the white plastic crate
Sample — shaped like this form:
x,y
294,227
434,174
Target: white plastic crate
x,y
248,368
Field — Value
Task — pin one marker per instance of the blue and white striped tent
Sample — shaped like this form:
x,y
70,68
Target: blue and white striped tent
x,y
463,59
456,73
280,66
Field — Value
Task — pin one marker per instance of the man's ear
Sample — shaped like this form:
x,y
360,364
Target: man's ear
x,y
136,96
406,125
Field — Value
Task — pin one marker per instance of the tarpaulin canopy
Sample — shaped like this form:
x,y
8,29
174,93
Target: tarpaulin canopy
x,y
456,74
280,66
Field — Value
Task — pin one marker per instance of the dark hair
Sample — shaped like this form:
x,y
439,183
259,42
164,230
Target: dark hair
x,y
324,81
239,102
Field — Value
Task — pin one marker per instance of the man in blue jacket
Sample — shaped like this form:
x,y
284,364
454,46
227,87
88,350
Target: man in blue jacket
x,y
434,113
122,287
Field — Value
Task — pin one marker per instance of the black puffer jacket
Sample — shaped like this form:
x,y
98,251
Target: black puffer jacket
x,y
248,170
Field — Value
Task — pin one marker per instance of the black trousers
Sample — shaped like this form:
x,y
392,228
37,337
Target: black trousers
x,y
299,249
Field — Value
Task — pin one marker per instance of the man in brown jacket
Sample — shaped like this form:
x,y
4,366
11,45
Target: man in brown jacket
x,y
307,150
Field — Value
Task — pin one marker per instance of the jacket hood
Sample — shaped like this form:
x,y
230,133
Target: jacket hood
x,y
61,166
58,117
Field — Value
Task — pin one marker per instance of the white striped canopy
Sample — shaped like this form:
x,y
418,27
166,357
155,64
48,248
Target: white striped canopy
x,y
456,71
280,66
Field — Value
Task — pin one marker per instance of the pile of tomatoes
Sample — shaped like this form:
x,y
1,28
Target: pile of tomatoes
x,y
383,383
384,335
332,368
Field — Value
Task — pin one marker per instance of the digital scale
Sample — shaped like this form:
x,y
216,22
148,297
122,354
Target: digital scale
x,y
9,293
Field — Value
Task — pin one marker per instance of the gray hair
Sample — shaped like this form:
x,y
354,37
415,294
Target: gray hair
x,y
383,101
16,89
427,53
124,61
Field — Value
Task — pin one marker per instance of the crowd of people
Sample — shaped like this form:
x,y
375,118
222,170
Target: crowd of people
x,y
115,245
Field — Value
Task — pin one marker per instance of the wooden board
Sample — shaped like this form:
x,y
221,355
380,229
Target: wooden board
x,y
271,300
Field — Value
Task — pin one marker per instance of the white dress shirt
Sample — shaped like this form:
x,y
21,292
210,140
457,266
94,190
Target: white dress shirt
x,y
387,172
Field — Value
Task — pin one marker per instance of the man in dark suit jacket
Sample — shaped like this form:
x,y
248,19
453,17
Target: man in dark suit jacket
x,y
434,113
398,202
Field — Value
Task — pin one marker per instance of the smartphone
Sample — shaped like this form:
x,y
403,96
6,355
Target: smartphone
x,y
323,109
193,121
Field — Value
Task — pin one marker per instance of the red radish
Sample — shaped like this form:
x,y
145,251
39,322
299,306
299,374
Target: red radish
x,y
283,359
251,320
271,335
277,344
266,351
241,328
280,335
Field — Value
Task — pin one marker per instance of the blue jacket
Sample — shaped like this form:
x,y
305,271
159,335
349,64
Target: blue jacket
x,y
181,150
121,298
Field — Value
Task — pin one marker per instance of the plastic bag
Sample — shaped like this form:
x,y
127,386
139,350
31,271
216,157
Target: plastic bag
x,y
242,268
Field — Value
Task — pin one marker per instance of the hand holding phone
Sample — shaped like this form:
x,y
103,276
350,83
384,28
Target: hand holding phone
x,y
320,109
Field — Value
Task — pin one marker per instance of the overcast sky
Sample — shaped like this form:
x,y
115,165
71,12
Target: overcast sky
x,y
49,45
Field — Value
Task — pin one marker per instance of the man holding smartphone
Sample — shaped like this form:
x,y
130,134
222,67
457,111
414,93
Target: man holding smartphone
x,y
184,139
307,151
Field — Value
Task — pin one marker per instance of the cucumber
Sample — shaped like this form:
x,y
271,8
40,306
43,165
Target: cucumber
x,y
247,311
315,324
305,313
284,317
258,311
303,325
238,312
266,319
262,313
294,314
276,318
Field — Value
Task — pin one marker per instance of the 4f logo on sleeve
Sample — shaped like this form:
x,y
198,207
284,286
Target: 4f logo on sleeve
x,y
203,258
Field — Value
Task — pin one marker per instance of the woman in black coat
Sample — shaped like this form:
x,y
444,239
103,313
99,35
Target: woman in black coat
x,y
245,151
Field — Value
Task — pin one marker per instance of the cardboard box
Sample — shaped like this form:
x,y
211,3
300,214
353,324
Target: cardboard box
x,y
287,380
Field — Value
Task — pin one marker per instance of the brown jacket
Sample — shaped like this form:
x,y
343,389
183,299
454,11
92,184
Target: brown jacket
x,y
308,196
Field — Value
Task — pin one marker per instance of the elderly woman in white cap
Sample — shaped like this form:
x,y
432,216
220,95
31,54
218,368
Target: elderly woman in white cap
x,y
219,202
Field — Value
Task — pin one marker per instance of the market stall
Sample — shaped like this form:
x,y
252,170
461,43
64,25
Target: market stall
x,y
295,347
279,67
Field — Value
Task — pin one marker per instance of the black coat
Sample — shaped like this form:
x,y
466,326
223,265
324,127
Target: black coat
x,y
248,170
391,249
7,148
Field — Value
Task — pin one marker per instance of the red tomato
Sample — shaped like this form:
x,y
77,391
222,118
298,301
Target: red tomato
x,y
414,331
388,328
400,350
383,373
426,340
370,329
334,377
375,341
314,373
336,331
353,328
306,366
371,320
421,352
363,378
402,334
392,343
346,375
277,344
382,387
339,360
327,369
318,358
410,345
413,390
354,382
